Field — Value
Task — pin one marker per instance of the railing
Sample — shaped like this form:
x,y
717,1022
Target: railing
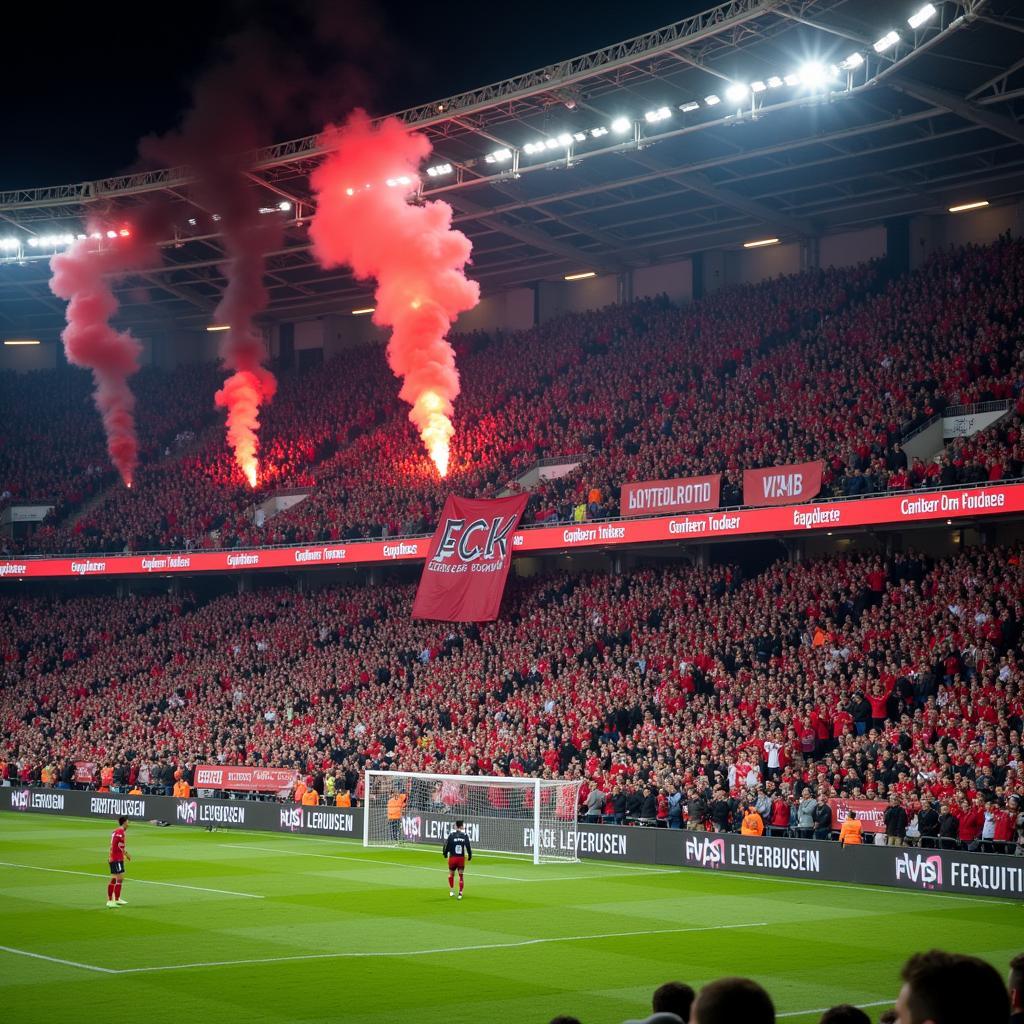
x,y
976,409
836,499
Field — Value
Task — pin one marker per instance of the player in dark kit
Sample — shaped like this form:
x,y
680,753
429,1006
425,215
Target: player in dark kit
x,y
118,855
458,851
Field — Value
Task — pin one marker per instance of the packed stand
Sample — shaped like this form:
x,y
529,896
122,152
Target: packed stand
x,y
681,695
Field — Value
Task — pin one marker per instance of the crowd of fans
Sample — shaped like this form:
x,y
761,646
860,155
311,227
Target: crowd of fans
x,y
679,695
937,988
835,365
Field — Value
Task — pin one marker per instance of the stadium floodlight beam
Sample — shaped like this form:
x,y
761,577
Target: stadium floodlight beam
x,y
887,42
760,243
581,276
813,75
14,342
758,86
621,125
774,82
926,13
364,310
712,100
737,92
688,108
213,328
978,204
852,62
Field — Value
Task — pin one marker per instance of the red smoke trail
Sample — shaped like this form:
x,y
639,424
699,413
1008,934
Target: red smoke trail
x,y
90,341
363,220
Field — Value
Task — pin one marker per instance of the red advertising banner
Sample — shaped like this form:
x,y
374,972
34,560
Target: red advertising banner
x,y
245,779
782,485
85,772
899,509
870,813
468,560
655,497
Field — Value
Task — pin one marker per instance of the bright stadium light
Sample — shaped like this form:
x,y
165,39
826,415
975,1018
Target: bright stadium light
x,y
213,328
887,42
688,108
737,92
813,75
656,116
760,242
364,311
438,169
621,125
792,79
14,342
81,238
34,242
774,82
978,204
758,86
9,243
552,144
111,234
502,154
712,100
565,139
596,133
581,276
852,62
580,136
920,17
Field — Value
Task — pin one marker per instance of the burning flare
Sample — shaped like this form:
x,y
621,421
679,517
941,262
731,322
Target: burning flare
x,y
364,220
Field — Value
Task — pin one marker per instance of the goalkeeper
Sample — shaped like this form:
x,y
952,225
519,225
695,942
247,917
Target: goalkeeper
x,y
458,850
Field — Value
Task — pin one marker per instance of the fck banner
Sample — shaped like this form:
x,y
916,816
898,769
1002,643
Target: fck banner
x,y
782,485
468,560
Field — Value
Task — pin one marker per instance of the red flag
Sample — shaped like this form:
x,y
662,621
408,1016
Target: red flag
x,y
782,485
468,560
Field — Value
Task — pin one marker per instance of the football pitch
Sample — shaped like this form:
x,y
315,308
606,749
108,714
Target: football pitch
x,y
258,928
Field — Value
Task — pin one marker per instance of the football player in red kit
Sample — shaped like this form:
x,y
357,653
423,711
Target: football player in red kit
x,y
118,855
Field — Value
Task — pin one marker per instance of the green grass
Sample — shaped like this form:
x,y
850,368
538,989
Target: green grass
x,y
342,934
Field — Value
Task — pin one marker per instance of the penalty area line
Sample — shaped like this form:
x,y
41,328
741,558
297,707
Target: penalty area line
x,y
362,954
134,881
863,1006
58,960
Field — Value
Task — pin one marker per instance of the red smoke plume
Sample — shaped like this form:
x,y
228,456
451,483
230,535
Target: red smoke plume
x,y
90,341
364,220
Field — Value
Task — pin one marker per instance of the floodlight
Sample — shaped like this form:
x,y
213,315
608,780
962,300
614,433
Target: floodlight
x,y
737,92
551,144
978,204
580,136
852,62
621,125
81,238
502,154
596,133
688,108
923,15
34,242
284,206
774,82
813,75
712,100
758,86
760,242
887,42
791,80
565,139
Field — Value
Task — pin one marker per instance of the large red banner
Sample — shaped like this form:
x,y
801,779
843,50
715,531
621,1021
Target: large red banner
x,y
782,485
871,813
468,560
245,779
654,497
906,507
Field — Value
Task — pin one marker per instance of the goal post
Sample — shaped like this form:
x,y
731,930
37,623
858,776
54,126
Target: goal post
x,y
527,817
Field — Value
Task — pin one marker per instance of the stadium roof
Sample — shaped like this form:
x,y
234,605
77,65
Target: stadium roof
x,y
932,119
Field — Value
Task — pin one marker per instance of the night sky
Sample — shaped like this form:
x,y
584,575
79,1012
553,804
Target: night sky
x,y
97,78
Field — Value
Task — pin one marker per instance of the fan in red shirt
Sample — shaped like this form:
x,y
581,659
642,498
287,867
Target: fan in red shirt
x,y
118,855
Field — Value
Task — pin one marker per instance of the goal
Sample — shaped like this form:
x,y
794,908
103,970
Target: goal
x,y
529,817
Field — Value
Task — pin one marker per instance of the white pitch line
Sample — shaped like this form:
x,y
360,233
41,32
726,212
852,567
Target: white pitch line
x,y
283,851
863,1006
134,881
57,960
432,952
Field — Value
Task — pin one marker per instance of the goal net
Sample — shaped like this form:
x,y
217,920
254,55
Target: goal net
x,y
531,817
